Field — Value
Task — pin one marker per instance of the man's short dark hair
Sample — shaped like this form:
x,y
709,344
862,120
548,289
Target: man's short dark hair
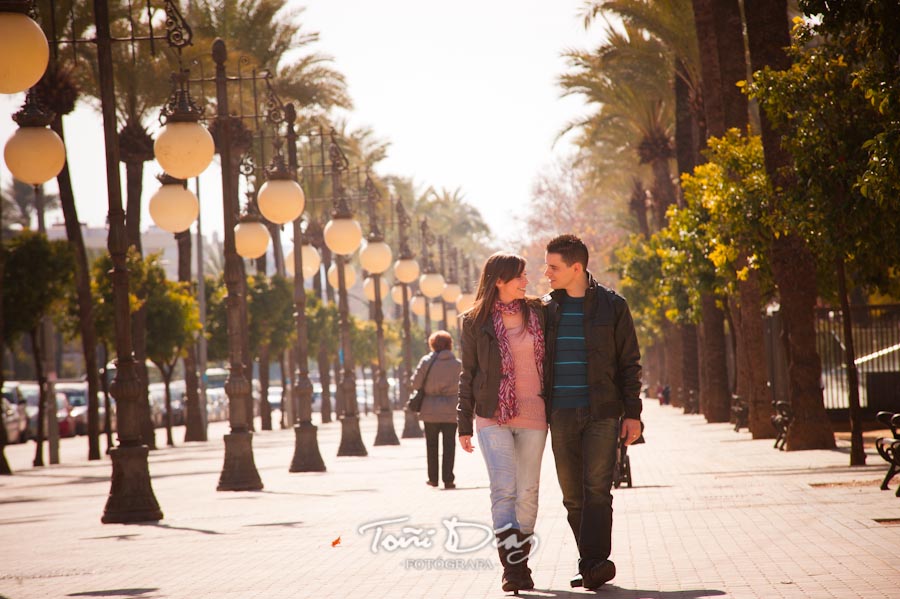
x,y
571,248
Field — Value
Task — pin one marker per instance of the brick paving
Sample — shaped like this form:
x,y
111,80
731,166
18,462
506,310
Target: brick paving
x,y
712,513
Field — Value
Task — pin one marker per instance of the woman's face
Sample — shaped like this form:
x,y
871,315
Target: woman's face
x,y
512,289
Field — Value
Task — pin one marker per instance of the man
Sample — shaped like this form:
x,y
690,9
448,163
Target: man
x,y
593,379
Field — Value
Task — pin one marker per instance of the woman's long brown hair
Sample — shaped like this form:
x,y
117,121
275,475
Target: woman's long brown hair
x,y
499,267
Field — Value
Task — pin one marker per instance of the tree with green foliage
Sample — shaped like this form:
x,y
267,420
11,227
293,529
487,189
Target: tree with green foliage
x,y
172,320
270,302
140,276
828,125
728,213
36,276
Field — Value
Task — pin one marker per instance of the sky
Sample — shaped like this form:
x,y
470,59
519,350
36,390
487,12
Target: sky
x,y
465,92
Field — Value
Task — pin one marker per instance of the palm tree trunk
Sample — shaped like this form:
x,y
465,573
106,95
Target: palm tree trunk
x,y
193,421
857,451
674,373
85,301
167,379
265,411
793,264
663,191
690,364
714,393
43,399
754,350
323,359
134,174
4,465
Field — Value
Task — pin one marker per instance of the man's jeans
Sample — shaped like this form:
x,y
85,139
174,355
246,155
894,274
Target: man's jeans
x,y
448,430
585,454
513,457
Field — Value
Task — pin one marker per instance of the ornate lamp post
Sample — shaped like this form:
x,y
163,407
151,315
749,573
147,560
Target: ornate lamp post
x,y
452,291
239,470
245,237
406,270
467,298
131,496
431,283
376,257
343,236
304,261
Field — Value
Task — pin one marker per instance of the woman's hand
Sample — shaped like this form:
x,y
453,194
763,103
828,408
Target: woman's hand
x,y
465,441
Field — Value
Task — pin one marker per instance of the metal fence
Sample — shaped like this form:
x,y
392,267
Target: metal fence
x,y
876,339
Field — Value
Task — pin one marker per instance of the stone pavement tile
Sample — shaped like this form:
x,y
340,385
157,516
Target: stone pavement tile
x,y
713,513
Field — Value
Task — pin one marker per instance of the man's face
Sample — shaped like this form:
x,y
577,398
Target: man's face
x,y
559,274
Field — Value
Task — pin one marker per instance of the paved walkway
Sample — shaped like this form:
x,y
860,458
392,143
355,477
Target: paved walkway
x,y
712,514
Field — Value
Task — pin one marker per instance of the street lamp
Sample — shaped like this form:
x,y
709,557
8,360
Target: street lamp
x,y
306,262
310,259
281,198
334,278
239,471
467,298
406,270
34,154
343,236
183,147
251,237
431,283
173,207
24,50
376,258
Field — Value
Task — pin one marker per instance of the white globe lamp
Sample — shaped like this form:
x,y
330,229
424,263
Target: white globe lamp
x,y
173,207
375,256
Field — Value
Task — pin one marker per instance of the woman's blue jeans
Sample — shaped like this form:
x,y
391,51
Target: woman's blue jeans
x,y
513,458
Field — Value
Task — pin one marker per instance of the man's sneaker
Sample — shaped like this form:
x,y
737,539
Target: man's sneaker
x,y
576,581
598,574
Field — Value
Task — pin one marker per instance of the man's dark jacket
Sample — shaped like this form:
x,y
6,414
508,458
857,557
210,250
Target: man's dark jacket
x,y
613,356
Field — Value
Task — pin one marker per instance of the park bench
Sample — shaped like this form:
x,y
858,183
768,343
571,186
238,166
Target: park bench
x,y
889,447
690,402
781,420
740,413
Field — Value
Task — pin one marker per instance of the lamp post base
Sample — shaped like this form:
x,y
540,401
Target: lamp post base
x,y
131,496
351,439
411,428
386,434
239,472
306,449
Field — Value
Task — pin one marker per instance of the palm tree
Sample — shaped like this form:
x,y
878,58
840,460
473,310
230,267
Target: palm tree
x,y
59,91
307,78
793,265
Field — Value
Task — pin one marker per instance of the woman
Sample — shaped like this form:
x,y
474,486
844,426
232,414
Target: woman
x,y
439,404
500,387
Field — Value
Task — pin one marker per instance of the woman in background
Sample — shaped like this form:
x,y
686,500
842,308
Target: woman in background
x,y
439,405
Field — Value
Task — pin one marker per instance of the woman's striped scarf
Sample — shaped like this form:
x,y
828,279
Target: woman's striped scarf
x,y
507,402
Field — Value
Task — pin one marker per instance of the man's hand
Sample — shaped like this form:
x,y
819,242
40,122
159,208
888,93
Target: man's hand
x,y
631,430
465,441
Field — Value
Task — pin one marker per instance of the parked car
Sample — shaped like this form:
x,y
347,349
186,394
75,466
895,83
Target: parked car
x,y
31,393
14,415
76,393
275,395
64,416
216,399
158,403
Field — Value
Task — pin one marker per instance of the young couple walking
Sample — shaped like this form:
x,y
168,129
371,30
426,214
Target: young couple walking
x,y
569,359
